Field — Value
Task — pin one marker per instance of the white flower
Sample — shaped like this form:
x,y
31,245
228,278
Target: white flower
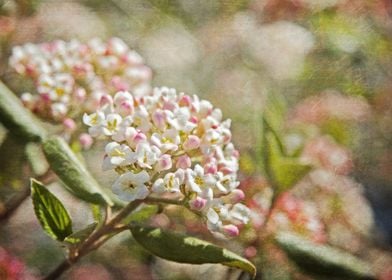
x,y
194,179
164,163
111,125
180,120
134,137
170,183
117,155
130,186
214,222
95,122
146,155
240,213
141,119
226,183
166,141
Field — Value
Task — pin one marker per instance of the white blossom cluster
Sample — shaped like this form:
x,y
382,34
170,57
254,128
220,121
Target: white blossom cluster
x,y
172,144
73,77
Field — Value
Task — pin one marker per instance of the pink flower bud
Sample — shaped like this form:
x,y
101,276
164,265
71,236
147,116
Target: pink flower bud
x,y
118,84
230,230
106,99
85,141
169,106
185,101
210,168
250,252
164,163
236,196
183,162
45,98
198,203
69,125
159,119
139,137
225,169
80,94
193,142
82,69
30,70
126,108
193,119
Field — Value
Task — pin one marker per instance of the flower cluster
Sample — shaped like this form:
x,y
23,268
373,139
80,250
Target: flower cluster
x,y
323,152
172,144
330,105
290,214
72,77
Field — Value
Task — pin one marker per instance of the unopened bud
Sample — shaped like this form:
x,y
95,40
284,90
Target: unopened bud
x,y
198,203
193,142
106,99
164,163
183,162
230,230
236,196
85,141
69,125
126,108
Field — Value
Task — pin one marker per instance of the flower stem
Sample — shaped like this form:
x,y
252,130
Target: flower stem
x,y
60,269
163,200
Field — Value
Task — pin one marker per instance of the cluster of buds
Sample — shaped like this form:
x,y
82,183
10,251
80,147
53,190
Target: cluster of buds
x,y
72,77
330,105
290,214
323,152
172,144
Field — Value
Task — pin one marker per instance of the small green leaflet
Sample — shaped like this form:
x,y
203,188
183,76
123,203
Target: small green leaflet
x,y
185,249
286,171
81,235
50,212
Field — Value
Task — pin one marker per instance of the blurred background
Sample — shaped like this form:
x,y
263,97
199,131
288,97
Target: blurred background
x,y
320,69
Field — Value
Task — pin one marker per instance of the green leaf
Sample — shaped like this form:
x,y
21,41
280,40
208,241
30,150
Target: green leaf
x,y
286,171
36,159
322,259
73,173
81,235
17,119
50,212
185,249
